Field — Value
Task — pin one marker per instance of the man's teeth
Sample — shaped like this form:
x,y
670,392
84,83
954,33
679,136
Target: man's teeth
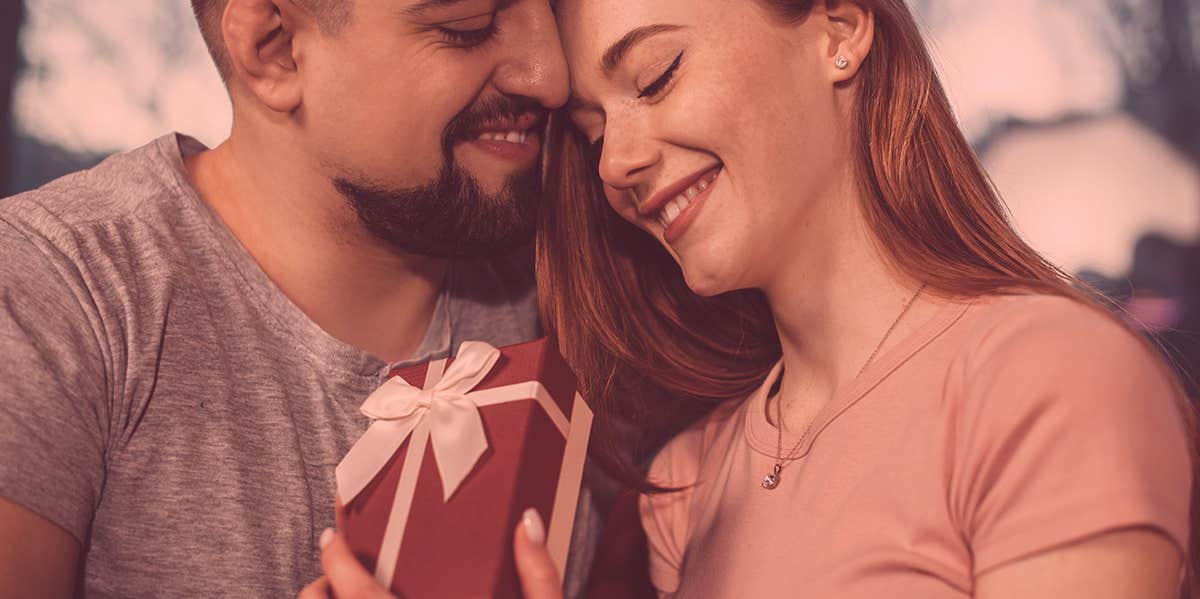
x,y
673,208
515,137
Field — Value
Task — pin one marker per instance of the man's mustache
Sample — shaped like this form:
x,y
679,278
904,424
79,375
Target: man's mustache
x,y
469,123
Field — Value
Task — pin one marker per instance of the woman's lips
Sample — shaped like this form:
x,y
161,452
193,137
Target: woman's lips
x,y
658,201
689,208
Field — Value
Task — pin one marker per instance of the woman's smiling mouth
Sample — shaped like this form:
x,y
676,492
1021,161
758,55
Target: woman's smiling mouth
x,y
676,206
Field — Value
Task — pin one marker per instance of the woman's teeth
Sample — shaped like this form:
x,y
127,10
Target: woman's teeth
x,y
515,137
673,208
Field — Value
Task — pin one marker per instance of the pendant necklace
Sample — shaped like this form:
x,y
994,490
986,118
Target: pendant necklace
x,y
772,479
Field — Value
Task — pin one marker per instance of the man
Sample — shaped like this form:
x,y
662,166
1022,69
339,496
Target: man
x,y
186,334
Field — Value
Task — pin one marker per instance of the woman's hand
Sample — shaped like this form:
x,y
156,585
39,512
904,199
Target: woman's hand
x,y
346,578
539,577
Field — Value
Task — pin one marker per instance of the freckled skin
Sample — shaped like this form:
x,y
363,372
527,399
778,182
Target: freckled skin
x,y
752,94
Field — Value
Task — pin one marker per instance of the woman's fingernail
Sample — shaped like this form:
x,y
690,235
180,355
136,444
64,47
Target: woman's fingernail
x,y
534,529
326,538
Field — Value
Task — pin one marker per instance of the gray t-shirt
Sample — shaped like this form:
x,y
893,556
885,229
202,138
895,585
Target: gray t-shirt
x,y
165,403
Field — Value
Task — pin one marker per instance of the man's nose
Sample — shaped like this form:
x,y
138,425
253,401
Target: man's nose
x,y
535,66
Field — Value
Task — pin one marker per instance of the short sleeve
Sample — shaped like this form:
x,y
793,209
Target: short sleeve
x,y
53,397
1069,427
665,516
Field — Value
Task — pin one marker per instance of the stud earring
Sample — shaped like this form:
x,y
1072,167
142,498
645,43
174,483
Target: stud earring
x,y
841,62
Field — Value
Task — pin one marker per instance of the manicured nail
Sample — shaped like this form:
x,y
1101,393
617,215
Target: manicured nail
x,y
534,529
326,538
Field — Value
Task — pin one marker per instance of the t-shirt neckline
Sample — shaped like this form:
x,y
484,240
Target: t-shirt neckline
x,y
763,436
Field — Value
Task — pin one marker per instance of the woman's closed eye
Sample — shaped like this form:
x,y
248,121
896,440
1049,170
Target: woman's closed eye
x,y
661,83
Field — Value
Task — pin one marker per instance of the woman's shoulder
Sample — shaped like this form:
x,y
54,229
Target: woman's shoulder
x,y
1065,425
1024,327
678,463
1023,353
666,517
1045,309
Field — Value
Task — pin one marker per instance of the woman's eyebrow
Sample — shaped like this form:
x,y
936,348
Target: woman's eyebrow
x,y
616,52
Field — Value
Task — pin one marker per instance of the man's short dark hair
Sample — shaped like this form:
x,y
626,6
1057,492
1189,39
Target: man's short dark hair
x,y
331,15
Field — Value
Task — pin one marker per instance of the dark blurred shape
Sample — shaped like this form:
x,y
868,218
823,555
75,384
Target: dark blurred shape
x,y
1161,295
621,566
34,163
1165,271
1160,266
11,16
1169,102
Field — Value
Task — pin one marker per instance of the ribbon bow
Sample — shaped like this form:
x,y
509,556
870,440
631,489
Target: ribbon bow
x,y
456,429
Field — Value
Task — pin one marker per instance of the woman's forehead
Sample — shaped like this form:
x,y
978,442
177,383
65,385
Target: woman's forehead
x,y
584,19
590,28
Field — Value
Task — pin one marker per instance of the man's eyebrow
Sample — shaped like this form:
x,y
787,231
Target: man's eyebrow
x,y
616,52
427,5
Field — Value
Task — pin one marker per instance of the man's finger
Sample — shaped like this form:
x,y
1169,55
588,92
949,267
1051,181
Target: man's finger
x,y
319,589
539,578
348,578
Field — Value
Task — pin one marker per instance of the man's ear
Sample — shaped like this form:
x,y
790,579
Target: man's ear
x,y
850,30
258,38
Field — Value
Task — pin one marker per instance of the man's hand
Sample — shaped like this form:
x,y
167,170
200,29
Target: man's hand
x,y
37,558
346,578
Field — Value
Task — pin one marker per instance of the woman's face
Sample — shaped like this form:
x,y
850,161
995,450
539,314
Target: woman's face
x,y
718,126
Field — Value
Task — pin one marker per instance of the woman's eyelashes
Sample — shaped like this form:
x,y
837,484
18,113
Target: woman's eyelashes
x,y
661,83
593,149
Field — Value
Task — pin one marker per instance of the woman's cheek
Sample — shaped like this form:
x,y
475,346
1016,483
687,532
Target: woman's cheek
x,y
623,202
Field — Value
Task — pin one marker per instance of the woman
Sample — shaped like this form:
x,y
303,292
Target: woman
x,y
791,254
896,396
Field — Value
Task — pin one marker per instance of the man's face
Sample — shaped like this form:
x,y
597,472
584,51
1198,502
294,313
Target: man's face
x,y
427,116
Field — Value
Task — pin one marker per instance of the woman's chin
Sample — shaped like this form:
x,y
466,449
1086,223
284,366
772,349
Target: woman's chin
x,y
709,283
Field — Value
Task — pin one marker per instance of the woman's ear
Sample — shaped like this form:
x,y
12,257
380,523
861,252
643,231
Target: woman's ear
x,y
258,36
850,31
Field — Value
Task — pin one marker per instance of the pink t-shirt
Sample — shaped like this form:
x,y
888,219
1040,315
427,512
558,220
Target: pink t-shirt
x,y
1001,428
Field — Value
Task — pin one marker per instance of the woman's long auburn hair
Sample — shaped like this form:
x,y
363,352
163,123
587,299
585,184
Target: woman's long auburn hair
x,y
652,356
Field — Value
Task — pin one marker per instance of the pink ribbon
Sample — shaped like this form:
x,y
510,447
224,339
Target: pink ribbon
x,y
455,427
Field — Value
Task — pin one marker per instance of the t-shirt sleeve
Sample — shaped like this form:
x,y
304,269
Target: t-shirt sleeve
x,y
1068,428
665,516
53,390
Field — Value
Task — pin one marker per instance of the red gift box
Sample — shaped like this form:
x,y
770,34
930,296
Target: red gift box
x,y
458,450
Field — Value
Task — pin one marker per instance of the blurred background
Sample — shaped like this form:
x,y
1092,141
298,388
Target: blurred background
x,y
1085,112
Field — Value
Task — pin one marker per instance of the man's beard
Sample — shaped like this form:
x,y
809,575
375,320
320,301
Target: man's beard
x,y
453,216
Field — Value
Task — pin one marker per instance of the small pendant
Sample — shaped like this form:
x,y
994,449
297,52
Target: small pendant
x,y
771,480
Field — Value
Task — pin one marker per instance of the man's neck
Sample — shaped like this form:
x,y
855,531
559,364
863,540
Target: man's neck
x,y
309,242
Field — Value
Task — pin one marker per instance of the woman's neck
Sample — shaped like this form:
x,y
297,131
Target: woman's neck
x,y
833,300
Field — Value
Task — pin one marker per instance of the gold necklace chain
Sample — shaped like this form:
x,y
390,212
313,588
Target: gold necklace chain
x,y
771,480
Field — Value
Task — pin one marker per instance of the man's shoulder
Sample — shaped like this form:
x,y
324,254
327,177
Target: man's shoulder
x,y
109,194
93,234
